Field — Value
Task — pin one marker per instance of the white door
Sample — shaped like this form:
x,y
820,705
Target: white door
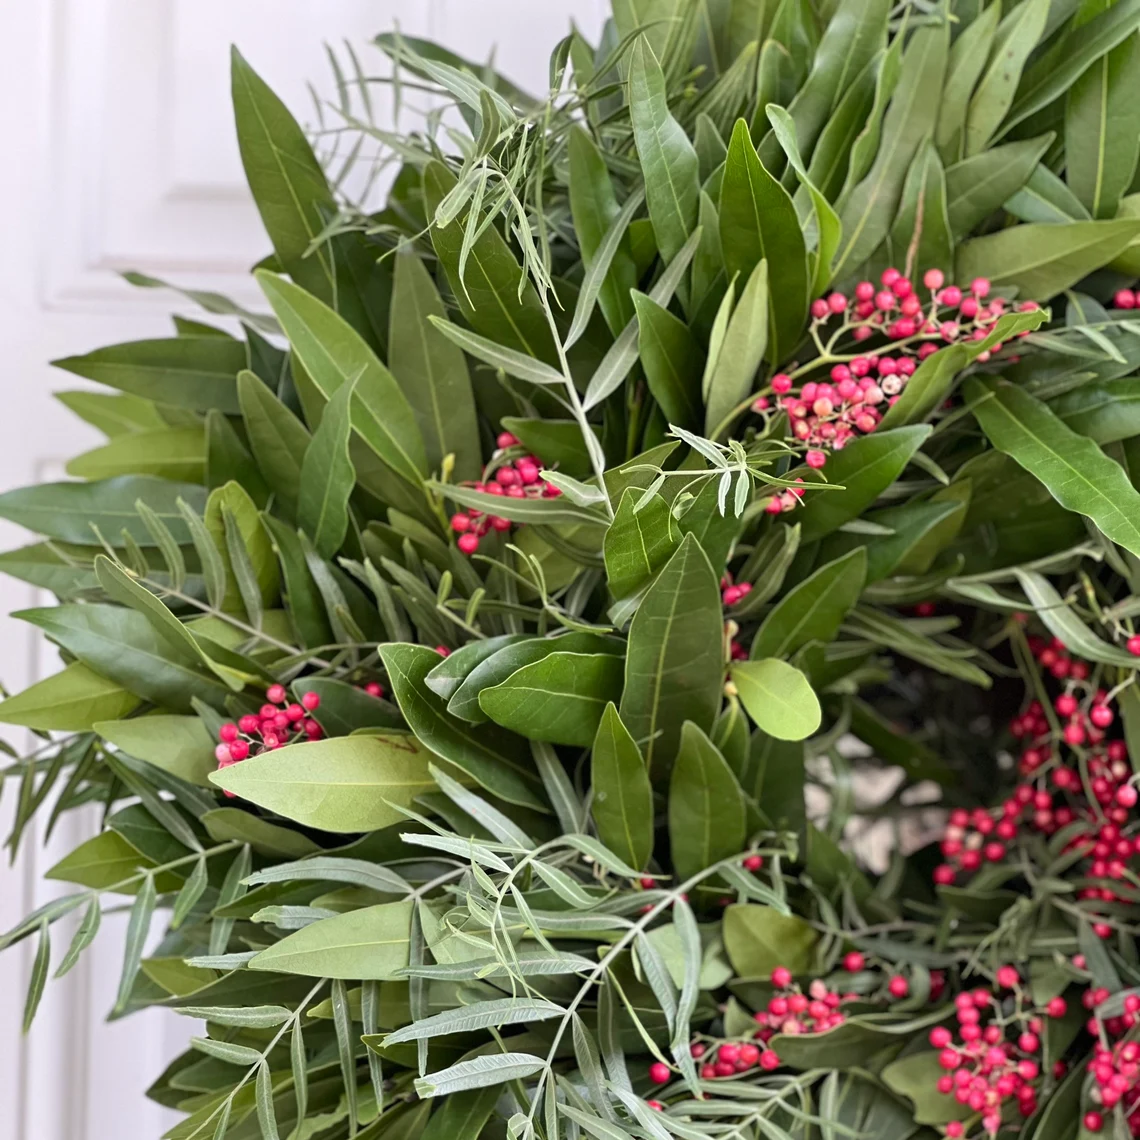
x,y
120,155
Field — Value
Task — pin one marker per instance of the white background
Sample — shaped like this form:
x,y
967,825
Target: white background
x,y
119,154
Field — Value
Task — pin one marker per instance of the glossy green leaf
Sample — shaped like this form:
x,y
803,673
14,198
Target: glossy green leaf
x,y
706,806
984,182
672,360
1105,412
277,437
1102,128
233,502
777,697
865,468
869,210
328,477
921,234
286,180
334,354
1045,198
113,415
968,56
171,453
179,745
638,542
431,371
495,760
72,700
668,159
1017,35
198,373
622,804
1058,69
758,221
123,646
814,609
68,511
1078,474
1042,260
757,939
673,664
344,784
370,944
730,378
558,699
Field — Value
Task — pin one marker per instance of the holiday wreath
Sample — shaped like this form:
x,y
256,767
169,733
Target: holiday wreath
x,y
481,654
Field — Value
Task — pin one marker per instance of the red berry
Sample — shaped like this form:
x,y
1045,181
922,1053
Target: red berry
x,y
1101,716
656,1105
769,1060
468,543
1126,795
980,286
1056,1007
854,962
898,986
1007,977
753,863
239,750
460,523
223,755
311,701
659,1073
1124,299
275,693
933,279
781,977
505,439
815,459
1093,1122
228,732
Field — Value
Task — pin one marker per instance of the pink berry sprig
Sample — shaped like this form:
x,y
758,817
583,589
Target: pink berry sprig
x,y
827,414
1115,1071
276,724
514,479
992,1058
730,594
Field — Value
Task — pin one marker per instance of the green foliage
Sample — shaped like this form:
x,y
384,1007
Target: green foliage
x,y
549,821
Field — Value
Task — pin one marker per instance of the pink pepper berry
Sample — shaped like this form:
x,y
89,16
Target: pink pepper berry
x,y
980,286
311,701
1133,645
228,732
836,302
753,862
933,279
781,977
239,750
275,693
660,1073
898,986
819,310
781,383
460,523
468,543
505,439
854,962
815,459
1124,299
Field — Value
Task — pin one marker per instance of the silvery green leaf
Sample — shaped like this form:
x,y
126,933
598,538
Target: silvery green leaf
x,y
583,494
865,526
241,1017
333,869
704,446
479,1072
560,791
752,888
689,938
524,964
38,979
743,487
345,1044
722,492
649,492
496,1012
291,917
648,1118
464,848
84,936
138,927
222,961
192,891
499,825
595,1126
266,1116
226,1051
590,1066
599,853
510,360
659,979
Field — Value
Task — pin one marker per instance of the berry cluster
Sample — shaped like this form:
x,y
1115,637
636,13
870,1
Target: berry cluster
x,y
994,1058
515,479
826,415
276,724
793,1012
730,594
1116,1072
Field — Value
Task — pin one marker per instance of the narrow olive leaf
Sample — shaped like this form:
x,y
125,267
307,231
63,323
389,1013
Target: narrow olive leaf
x,y
778,698
277,438
345,1047
84,935
327,476
814,609
674,672
228,1052
668,160
1017,35
479,1072
1062,622
333,869
758,222
1078,474
138,927
462,1116
622,354
706,806
38,979
563,797
496,822
622,804
868,212
240,1017
978,186
481,1015
213,566
233,887
689,940
266,1116
510,360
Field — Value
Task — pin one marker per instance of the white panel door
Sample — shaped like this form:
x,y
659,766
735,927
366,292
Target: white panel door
x,y
120,155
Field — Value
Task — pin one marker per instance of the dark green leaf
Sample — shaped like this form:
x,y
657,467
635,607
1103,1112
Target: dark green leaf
x,y
638,543
277,437
328,477
985,181
672,360
622,804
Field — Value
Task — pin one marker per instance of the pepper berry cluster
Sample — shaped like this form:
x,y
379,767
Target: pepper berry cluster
x,y
277,723
826,415
1116,1072
516,478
